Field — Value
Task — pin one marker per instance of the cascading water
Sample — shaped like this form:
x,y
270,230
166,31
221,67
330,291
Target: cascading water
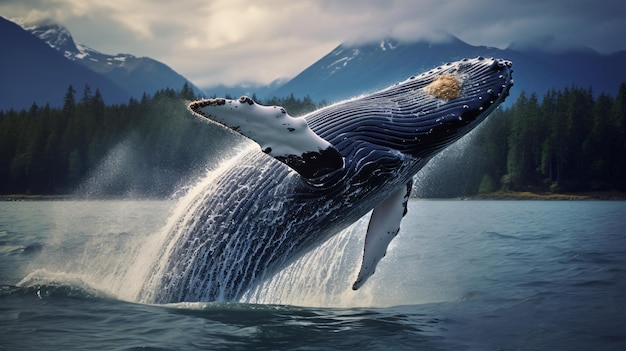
x,y
123,251
184,214
322,277
127,259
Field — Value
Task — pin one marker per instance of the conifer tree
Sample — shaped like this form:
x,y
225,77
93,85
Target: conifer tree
x,y
69,101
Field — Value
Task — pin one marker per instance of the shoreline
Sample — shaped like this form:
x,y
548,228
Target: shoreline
x,y
25,197
527,195
500,195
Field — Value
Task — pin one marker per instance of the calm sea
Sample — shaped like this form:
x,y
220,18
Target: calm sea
x,y
461,275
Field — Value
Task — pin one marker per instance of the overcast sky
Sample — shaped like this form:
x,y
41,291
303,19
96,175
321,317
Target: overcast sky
x,y
235,41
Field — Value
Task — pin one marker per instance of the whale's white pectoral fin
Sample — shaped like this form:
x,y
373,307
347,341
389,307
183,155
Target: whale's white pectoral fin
x,y
286,138
383,227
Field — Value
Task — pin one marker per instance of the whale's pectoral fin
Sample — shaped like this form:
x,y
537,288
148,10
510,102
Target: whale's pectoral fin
x,y
383,227
288,139
291,141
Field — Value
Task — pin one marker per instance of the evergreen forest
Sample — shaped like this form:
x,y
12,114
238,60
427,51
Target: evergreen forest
x,y
568,140
146,148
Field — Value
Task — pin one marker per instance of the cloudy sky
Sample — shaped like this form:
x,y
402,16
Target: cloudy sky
x,y
236,41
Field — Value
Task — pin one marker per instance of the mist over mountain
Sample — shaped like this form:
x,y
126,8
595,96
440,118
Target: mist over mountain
x,y
351,70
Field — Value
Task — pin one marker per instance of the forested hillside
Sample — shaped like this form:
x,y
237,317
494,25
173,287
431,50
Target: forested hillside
x,y
86,148
565,141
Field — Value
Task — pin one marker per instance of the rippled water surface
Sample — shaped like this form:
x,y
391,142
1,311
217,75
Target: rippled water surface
x,y
461,275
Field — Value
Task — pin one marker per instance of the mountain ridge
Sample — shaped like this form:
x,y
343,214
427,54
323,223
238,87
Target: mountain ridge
x,y
351,70
348,70
138,75
33,72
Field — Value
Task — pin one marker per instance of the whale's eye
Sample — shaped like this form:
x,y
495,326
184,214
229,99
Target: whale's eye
x,y
245,99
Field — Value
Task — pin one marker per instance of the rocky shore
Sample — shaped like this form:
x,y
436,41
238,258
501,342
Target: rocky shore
x,y
607,195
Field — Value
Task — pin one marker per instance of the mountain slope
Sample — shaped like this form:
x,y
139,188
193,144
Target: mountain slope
x,y
31,71
348,71
351,70
138,75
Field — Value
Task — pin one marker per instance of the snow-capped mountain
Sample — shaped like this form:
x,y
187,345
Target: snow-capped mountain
x,y
351,70
33,72
56,36
138,75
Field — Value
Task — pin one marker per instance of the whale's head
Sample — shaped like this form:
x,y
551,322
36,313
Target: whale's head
x,y
456,97
424,113
442,105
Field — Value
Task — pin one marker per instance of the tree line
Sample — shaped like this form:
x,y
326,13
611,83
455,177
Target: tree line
x,y
145,147
567,141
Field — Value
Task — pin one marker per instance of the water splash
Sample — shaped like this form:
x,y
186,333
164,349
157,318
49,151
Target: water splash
x,y
125,259
321,278
111,246
92,242
455,171
152,266
114,172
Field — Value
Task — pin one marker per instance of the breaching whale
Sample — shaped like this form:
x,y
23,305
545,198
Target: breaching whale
x,y
315,175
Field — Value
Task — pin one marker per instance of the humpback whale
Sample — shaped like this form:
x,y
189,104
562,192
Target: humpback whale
x,y
315,175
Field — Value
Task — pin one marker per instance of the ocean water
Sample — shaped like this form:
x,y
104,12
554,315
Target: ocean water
x,y
461,275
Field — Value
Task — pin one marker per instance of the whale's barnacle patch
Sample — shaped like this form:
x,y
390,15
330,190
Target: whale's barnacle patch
x,y
445,87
